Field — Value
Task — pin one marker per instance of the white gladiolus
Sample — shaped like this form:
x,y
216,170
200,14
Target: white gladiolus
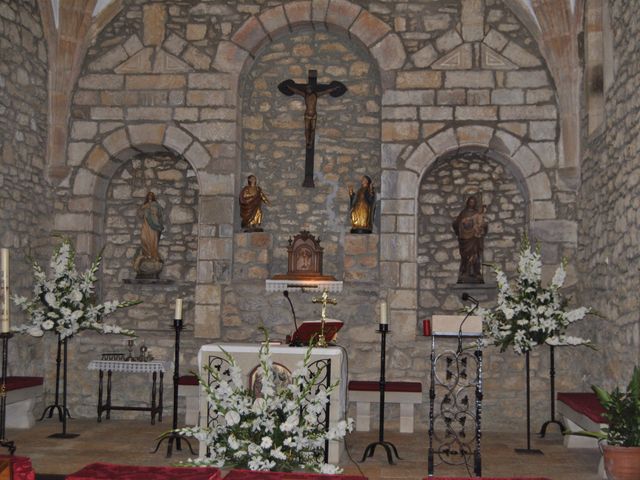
x,y
530,314
62,304
284,420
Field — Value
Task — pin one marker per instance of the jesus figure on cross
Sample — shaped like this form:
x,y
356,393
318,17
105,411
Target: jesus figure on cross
x,y
310,91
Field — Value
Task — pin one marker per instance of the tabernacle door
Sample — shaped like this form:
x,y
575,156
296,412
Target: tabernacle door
x,y
246,356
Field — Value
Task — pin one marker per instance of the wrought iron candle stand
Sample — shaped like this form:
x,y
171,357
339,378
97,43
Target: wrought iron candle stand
x,y
388,446
8,444
56,405
173,435
456,447
528,450
552,381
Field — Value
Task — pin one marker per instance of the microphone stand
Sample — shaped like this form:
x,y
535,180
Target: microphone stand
x,y
292,343
465,296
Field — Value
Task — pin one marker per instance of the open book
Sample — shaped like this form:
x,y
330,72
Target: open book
x,y
310,328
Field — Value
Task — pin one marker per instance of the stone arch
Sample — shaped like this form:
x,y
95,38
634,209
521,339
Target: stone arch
x,y
215,203
507,149
378,37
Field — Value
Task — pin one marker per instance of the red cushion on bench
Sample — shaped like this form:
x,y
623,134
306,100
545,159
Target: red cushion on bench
x,y
188,380
16,383
585,403
371,386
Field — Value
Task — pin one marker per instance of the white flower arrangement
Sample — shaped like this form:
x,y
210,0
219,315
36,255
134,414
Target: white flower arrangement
x,y
531,314
276,430
63,304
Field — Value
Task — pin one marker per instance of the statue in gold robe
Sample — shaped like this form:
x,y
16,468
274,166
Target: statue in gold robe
x,y
251,199
362,204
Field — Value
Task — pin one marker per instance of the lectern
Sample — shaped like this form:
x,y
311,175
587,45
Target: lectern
x,y
455,392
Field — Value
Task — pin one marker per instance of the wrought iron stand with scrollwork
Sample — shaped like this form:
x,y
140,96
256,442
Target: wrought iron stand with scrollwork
x,y
458,374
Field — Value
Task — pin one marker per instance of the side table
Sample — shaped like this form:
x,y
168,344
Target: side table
x,y
111,366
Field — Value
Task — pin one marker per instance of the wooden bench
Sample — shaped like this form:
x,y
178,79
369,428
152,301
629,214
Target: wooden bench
x,y
581,412
189,388
21,397
364,393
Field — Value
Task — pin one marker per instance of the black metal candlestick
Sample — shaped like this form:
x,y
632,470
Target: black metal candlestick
x,y
528,450
552,380
388,446
8,444
56,405
173,435
64,433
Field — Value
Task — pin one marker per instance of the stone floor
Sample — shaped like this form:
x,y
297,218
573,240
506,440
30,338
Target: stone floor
x,y
131,442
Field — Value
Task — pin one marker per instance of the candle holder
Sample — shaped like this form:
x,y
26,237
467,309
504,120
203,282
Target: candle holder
x,y
388,446
174,436
8,444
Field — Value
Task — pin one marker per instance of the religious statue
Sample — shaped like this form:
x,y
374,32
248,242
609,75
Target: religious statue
x,y
362,205
251,199
148,263
470,227
310,91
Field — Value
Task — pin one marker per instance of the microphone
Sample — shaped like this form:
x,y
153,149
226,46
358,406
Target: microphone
x,y
465,297
293,312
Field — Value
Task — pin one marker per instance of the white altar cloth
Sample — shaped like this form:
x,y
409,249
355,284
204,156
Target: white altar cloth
x,y
246,356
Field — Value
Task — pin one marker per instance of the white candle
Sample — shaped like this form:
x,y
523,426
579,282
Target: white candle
x,y
178,313
383,313
5,291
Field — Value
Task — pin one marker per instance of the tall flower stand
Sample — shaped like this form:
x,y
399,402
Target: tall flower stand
x,y
63,407
8,444
528,450
62,411
552,381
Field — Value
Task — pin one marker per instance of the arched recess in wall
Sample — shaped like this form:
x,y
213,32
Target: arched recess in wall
x,y
443,191
103,186
336,25
347,135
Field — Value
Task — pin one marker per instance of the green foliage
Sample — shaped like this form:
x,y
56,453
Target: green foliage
x,y
622,411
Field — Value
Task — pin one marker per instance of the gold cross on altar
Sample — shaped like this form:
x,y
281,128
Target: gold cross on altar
x,y
324,300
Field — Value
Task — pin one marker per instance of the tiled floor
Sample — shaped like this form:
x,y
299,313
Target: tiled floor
x,y
130,442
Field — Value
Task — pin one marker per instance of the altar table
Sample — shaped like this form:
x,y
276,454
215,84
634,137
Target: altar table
x,y
127,367
246,356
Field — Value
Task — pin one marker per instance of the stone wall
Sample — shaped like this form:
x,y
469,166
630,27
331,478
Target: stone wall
x,y
26,203
425,80
609,223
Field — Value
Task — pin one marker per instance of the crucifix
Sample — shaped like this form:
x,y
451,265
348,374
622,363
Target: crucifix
x,y
310,91
324,300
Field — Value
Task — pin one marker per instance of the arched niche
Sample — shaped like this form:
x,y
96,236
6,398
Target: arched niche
x,y
347,136
443,190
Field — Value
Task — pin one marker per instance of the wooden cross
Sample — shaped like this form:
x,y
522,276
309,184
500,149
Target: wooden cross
x,y
310,91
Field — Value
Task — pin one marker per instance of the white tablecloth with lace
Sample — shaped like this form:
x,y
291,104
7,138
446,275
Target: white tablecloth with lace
x,y
154,368
130,367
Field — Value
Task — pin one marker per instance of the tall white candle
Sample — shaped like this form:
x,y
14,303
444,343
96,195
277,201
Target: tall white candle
x,y
383,313
5,327
178,313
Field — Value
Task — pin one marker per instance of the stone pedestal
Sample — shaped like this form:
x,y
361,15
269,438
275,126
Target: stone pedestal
x,y
252,254
361,258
